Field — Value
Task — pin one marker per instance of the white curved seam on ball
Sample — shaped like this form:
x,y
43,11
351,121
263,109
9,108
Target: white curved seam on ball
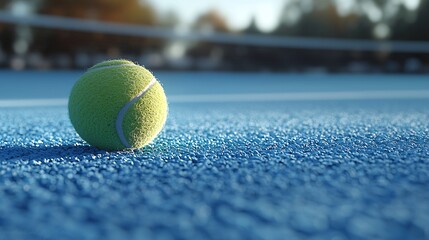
x,y
124,109
112,66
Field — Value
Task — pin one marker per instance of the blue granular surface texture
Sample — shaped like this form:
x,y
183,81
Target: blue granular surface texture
x,y
351,170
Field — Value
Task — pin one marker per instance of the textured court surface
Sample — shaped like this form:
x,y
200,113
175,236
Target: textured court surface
x,y
311,169
327,170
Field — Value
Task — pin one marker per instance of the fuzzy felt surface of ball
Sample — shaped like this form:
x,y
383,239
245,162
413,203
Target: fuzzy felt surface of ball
x,y
117,105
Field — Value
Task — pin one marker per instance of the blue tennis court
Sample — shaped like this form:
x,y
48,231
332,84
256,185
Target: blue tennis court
x,y
242,156
286,120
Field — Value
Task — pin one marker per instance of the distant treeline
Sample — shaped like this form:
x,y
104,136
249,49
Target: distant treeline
x,y
24,47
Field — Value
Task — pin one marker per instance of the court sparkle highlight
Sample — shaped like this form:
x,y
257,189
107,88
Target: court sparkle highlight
x,y
118,105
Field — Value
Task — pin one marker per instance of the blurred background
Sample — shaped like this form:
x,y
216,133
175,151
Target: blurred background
x,y
241,35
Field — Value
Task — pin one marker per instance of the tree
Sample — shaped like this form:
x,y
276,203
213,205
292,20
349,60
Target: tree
x,y
252,28
418,30
125,11
51,42
211,21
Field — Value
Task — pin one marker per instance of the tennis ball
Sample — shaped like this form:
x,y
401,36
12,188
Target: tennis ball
x,y
117,105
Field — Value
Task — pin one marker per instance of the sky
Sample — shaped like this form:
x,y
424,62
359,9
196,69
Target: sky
x,y
239,13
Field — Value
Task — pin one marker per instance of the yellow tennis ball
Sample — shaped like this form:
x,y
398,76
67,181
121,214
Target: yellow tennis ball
x,y
118,105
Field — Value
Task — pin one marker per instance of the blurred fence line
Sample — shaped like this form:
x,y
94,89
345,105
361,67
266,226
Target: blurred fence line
x,y
64,23
38,41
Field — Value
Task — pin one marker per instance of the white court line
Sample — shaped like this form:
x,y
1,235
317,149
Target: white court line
x,y
302,96
33,102
249,97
